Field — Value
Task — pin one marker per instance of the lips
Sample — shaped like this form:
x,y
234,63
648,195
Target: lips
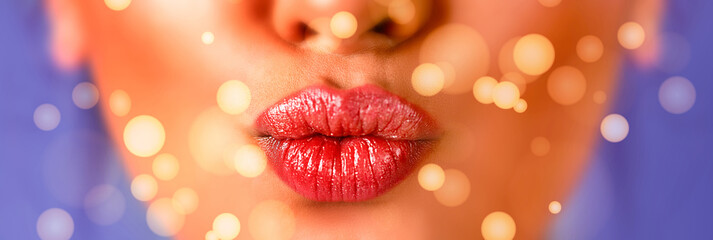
x,y
344,145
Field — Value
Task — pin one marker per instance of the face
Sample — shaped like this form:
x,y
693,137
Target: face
x,y
155,65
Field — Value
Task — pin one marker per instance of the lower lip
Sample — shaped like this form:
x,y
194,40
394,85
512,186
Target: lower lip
x,y
346,169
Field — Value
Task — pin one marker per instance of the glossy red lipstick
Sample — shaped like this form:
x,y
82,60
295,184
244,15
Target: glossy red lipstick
x,y
344,145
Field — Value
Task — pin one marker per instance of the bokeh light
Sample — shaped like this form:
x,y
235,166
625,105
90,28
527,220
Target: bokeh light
x,y
144,187
165,166
343,24
207,38
85,95
212,141
46,117
119,103
104,205
566,85
117,5
55,224
233,97
520,106
505,95
210,235
506,62
534,54
550,3
614,128
185,200
402,11
590,48
431,177
677,95
483,89
555,207
427,79
144,136
599,97
162,218
226,226
250,161
540,146
463,49
269,216
455,189
631,35
498,226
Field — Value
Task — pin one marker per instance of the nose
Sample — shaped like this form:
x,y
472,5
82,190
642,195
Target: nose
x,y
348,26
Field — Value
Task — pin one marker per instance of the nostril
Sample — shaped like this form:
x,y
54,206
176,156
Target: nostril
x,y
307,31
303,31
300,32
383,27
295,32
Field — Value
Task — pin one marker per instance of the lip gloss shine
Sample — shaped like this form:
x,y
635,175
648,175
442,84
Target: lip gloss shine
x,y
344,145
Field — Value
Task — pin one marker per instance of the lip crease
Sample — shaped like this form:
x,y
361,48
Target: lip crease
x,y
344,145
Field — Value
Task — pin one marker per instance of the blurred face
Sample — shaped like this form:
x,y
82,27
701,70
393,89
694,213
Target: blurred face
x,y
189,92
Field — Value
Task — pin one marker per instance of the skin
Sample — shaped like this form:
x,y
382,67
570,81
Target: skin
x,y
153,51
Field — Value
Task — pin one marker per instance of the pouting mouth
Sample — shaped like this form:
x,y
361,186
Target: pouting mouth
x,y
353,145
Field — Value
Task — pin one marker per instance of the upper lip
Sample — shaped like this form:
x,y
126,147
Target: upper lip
x,y
362,111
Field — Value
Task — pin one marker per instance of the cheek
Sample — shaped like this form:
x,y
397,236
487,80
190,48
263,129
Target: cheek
x,y
156,52
501,151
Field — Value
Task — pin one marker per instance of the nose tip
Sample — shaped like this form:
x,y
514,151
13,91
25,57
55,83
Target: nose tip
x,y
348,26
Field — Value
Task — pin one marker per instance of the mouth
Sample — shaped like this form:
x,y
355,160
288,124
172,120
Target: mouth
x,y
344,145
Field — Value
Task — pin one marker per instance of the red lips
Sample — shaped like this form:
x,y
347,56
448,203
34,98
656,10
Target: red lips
x,y
352,145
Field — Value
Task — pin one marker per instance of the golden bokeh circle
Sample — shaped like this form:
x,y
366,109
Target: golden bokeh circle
x,y
566,85
162,218
540,146
498,226
233,97
590,48
505,95
631,35
226,226
144,187
144,136
483,89
455,190
554,207
534,54
427,79
431,177
250,161
343,24
119,103
165,166
117,5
